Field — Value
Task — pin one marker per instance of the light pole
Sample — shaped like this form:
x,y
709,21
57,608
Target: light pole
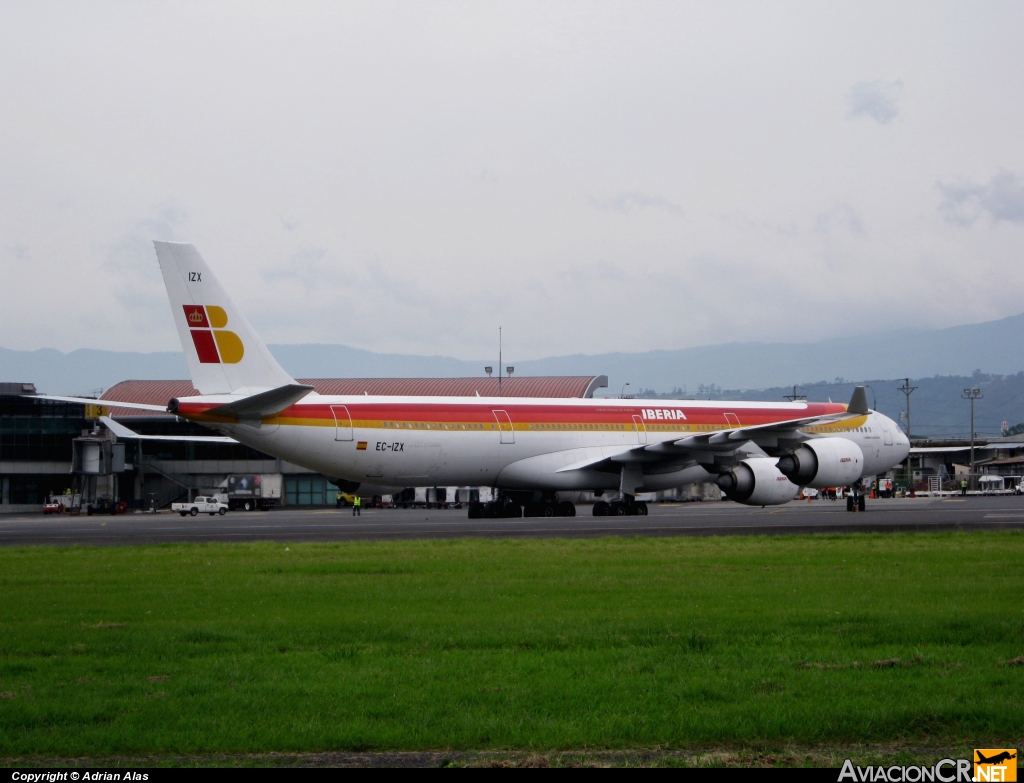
x,y
794,396
972,395
907,389
622,394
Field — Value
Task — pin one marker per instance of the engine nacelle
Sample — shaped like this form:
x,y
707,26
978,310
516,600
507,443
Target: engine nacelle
x,y
824,462
757,482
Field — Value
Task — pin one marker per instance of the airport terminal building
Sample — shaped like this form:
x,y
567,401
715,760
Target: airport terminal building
x,y
47,447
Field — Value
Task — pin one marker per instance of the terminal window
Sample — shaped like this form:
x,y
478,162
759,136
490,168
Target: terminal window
x,y
308,491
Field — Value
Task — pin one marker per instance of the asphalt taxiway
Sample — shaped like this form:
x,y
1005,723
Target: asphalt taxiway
x,y
688,519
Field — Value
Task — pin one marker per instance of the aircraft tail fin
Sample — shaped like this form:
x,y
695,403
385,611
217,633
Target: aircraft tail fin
x,y
859,401
223,352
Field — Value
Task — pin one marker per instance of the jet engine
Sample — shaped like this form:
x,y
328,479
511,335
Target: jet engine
x,y
824,462
757,482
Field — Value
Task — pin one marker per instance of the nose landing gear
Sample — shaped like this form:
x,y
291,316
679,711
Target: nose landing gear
x,y
855,501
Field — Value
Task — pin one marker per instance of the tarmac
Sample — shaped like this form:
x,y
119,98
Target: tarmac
x,y
670,519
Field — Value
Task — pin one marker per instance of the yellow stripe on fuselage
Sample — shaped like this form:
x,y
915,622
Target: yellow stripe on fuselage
x,y
846,425
470,426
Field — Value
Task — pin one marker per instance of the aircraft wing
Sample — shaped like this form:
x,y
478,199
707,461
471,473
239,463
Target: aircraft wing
x,y
702,447
858,407
756,432
122,431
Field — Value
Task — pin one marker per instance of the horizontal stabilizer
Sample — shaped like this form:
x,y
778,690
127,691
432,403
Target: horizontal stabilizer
x,y
259,405
137,406
124,433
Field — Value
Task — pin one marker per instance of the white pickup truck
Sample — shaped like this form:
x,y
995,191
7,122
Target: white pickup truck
x,y
206,505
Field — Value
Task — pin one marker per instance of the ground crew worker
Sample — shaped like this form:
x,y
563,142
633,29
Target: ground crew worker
x,y
337,500
357,504
963,488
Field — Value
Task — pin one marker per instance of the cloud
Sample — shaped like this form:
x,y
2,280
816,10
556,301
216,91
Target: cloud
x,y
626,202
305,267
596,273
1002,198
876,100
543,169
841,214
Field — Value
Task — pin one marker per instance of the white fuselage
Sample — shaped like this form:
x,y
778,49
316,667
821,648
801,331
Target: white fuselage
x,y
523,443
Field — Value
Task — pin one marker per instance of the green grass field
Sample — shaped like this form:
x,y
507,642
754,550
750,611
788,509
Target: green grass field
x,y
528,644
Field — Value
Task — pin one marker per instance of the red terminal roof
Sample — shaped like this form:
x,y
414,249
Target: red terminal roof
x,y
570,386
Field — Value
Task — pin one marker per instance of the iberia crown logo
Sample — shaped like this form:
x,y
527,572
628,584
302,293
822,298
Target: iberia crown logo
x,y
213,342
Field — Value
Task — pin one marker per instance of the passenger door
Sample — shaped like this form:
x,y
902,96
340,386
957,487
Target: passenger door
x,y
641,430
342,423
505,426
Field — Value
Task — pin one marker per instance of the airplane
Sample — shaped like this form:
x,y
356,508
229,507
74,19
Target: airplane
x,y
530,450
996,759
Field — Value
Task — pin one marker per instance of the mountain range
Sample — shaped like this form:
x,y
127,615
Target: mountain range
x,y
994,349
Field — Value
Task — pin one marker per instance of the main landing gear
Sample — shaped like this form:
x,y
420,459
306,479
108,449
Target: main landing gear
x,y
631,478
626,507
550,508
506,507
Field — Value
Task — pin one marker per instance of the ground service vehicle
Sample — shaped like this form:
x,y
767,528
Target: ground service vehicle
x,y
201,505
63,504
248,493
344,500
529,449
410,497
105,506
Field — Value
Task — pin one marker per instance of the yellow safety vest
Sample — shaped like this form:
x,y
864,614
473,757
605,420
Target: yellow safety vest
x,y
357,501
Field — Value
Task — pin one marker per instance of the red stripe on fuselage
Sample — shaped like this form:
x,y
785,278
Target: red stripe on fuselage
x,y
443,413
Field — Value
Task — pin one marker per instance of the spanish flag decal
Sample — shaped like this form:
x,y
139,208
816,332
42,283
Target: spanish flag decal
x,y
361,446
214,343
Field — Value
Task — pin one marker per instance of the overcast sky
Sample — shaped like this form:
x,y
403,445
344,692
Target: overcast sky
x,y
591,176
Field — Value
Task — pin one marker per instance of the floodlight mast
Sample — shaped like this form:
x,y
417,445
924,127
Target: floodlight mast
x,y
972,395
510,369
794,396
